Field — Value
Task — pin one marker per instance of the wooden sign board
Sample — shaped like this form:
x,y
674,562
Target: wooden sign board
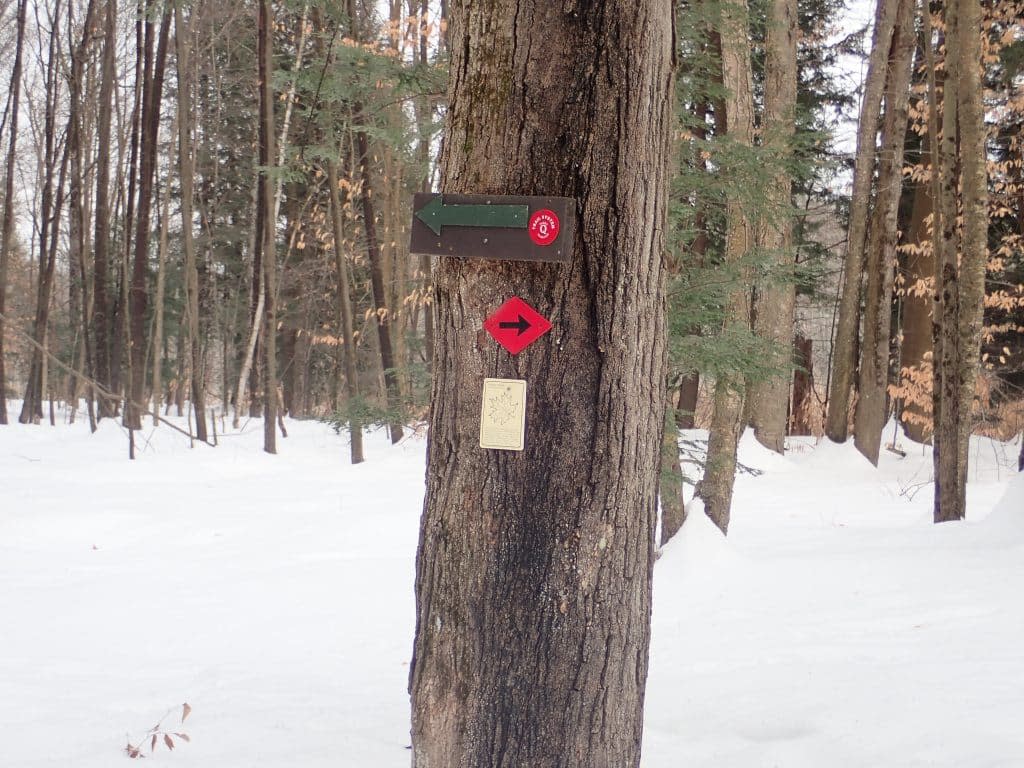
x,y
497,227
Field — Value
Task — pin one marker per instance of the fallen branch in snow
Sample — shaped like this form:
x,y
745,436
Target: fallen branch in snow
x,y
143,409
157,734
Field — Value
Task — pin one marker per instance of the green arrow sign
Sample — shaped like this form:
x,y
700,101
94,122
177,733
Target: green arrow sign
x,y
436,215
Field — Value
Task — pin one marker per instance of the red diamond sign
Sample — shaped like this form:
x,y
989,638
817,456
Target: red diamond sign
x,y
516,325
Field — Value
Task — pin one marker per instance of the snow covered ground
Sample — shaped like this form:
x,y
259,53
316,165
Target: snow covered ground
x,y
836,626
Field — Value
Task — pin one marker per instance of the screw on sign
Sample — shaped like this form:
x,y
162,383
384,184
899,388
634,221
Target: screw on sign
x,y
544,226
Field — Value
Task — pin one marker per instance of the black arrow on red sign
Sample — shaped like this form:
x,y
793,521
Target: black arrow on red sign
x,y
522,325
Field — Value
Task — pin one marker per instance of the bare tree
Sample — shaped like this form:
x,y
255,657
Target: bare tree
x,y
186,166
267,233
844,358
102,329
870,413
7,245
152,92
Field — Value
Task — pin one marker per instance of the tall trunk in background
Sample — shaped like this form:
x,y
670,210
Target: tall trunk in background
x,y
776,302
265,63
7,232
424,111
345,313
869,417
917,298
158,297
77,226
670,482
152,91
102,329
689,385
534,568
726,422
844,358
383,317
961,268
974,240
50,206
945,400
186,166
803,387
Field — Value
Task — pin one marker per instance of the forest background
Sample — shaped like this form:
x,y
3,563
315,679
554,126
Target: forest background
x,y
206,210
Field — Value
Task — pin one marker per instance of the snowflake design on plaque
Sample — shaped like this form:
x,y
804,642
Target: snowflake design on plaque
x,y
503,409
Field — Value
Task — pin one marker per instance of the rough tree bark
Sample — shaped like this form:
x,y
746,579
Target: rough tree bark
x,y
726,421
534,568
844,358
769,396
7,232
870,413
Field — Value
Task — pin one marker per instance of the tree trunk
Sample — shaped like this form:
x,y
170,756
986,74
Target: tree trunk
x,y
534,568
945,400
78,225
348,342
871,411
7,247
917,299
686,406
844,358
382,314
102,327
965,336
776,302
266,69
670,485
51,204
152,91
726,422
803,387
186,165
158,298
424,111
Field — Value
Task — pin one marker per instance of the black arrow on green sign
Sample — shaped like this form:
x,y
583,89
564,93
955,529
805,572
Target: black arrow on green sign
x,y
436,215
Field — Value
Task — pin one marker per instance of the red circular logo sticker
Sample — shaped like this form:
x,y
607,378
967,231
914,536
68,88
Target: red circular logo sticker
x,y
544,227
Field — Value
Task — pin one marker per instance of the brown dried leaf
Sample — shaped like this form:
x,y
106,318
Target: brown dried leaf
x,y
183,736
185,709
152,743
168,741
